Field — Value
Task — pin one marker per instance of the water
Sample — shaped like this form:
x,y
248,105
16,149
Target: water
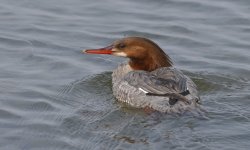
x,y
54,97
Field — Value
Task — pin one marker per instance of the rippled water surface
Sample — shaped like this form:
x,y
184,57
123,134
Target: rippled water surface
x,y
54,97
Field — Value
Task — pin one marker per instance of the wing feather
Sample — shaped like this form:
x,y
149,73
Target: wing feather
x,y
160,81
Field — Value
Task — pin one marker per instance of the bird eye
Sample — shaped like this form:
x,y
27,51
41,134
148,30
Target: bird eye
x,y
121,46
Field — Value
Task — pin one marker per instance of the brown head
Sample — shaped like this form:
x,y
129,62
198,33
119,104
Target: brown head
x,y
143,53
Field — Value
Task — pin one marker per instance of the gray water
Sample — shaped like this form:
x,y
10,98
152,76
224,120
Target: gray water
x,y
53,97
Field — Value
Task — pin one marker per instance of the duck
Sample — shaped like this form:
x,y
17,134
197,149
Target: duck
x,y
148,79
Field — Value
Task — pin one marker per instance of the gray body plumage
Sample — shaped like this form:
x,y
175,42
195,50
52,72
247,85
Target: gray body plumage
x,y
129,86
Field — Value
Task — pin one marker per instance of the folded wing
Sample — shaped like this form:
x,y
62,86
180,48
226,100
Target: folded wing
x,y
160,81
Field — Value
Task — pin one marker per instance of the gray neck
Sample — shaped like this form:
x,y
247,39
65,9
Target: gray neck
x,y
121,71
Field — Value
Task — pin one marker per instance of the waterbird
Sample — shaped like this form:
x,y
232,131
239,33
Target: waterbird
x,y
148,80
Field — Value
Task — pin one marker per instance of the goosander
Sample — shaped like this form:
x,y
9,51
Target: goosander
x,y
149,79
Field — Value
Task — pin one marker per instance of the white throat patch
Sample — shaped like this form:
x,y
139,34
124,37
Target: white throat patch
x,y
122,54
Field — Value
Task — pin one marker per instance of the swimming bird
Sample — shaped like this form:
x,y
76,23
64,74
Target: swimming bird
x,y
148,79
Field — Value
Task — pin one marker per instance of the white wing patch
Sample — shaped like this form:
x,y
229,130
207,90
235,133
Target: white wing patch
x,y
143,90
